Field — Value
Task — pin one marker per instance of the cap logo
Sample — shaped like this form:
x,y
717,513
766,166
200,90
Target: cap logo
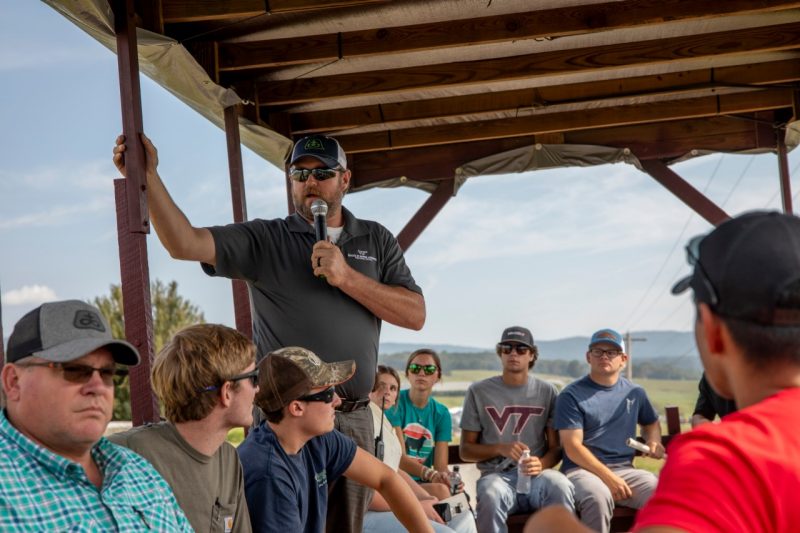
x,y
88,320
517,333
605,335
314,144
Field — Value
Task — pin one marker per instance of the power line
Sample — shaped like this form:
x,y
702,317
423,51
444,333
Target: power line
x,y
669,255
738,181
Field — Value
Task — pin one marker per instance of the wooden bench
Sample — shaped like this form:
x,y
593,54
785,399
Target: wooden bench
x,y
623,516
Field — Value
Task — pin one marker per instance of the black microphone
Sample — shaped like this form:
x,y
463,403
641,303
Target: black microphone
x,y
320,211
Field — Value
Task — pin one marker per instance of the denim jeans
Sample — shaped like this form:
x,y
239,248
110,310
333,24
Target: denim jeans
x,y
498,498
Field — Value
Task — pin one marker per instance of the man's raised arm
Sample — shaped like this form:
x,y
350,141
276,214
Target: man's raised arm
x,y
179,237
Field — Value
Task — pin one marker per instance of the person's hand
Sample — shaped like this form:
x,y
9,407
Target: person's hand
x,y
532,466
430,512
512,450
656,449
619,489
150,154
327,260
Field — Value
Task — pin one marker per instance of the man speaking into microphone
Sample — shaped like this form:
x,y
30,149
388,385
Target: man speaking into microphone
x,y
326,294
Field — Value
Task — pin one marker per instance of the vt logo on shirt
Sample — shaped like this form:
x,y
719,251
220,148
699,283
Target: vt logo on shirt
x,y
501,418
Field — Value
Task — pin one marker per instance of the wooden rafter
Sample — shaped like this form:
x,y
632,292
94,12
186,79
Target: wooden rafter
x,y
531,66
182,11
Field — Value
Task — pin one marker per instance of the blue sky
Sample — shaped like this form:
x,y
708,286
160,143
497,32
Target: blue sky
x,y
563,252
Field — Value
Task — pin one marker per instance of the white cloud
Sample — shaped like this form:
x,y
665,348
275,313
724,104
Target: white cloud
x,y
29,295
56,215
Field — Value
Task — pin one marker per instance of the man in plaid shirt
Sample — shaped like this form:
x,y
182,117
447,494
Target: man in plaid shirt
x,y
57,472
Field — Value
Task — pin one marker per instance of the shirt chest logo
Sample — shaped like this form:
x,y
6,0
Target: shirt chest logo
x,y
501,418
362,255
321,478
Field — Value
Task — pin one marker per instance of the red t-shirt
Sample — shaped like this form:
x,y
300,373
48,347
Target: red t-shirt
x,y
742,474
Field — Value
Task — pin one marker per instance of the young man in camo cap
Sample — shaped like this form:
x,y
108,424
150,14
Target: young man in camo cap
x,y
290,459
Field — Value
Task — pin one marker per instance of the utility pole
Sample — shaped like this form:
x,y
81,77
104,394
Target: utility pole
x,y
629,346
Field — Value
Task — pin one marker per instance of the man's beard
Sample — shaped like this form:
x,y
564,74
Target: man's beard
x,y
299,201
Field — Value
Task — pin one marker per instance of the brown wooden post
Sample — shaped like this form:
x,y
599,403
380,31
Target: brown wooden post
x,y
685,192
241,297
425,213
783,166
132,220
673,420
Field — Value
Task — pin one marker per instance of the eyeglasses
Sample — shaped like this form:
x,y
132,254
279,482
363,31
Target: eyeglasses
x,y
320,174
693,258
252,376
80,373
429,370
598,352
506,349
325,396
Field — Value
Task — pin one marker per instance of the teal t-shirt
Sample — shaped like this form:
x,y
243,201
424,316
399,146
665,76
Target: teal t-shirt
x,y
422,428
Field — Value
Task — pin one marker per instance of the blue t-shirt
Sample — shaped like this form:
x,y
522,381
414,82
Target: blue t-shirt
x,y
607,416
289,493
422,428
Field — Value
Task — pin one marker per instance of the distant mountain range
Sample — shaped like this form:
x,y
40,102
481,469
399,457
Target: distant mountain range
x,y
656,344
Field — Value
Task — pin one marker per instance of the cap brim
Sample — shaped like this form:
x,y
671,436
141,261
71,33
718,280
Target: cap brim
x,y
122,352
682,285
517,341
330,374
325,160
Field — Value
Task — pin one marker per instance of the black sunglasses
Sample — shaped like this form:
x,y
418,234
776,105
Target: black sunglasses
x,y
429,370
320,174
80,373
325,396
252,376
693,258
506,349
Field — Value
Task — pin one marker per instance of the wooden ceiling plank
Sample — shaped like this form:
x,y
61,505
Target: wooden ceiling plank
x,y
292,6
280,52
199,10
547,23
784,71
570,121
763,39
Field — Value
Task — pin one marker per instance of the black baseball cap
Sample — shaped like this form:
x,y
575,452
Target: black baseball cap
x,y
323,148
65,331
517,334
745,268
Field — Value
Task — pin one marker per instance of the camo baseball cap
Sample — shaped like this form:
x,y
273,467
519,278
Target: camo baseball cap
x,y
320,147
289,373
64,331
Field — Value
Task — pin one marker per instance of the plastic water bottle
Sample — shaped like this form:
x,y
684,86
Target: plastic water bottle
x,y
455,480
523,480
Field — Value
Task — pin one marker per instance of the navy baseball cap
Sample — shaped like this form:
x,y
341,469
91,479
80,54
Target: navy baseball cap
x,y
65,331
608,336
747,267
323,148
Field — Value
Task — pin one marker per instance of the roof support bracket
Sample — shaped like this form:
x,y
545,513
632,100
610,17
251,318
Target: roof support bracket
x,y
425,214
699,203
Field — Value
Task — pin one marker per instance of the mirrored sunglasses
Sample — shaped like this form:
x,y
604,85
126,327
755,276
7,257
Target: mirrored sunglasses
x,y
428,369
320,174
80,373
521,349
325,396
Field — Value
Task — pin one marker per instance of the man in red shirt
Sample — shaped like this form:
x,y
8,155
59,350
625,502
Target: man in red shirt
x,y
742,474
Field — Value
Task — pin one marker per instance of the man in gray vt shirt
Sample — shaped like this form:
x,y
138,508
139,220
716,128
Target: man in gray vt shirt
x,y
503,417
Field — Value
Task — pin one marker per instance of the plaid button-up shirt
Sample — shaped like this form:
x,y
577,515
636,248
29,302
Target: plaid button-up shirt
x,y
42,491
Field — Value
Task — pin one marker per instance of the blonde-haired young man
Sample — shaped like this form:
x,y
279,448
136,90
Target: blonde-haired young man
x,y
206,379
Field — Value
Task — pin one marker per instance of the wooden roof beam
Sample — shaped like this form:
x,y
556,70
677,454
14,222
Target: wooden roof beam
x,y
773,72
547,23
531,66
181,11
763,99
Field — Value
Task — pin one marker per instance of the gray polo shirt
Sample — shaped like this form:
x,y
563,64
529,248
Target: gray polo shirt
x,y
295,308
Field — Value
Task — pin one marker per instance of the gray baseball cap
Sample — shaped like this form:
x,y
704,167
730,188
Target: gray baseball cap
x,y
65,331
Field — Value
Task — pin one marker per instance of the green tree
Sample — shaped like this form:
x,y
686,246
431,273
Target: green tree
x,y
171,313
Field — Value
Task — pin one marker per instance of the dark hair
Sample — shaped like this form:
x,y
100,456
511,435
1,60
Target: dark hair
x,y
765,345
534,353
384,369
274,416
429,351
